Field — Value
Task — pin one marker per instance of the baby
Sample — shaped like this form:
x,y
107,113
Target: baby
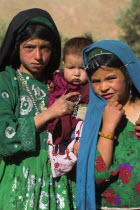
x,y
64,131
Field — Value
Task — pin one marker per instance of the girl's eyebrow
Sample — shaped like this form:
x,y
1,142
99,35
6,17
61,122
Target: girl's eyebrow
x,y
112,75
95,80
27,44
107,77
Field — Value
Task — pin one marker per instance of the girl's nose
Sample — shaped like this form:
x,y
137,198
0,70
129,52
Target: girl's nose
x,y
104,87
38,54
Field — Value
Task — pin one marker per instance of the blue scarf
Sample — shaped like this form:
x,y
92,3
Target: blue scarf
x,y
85,183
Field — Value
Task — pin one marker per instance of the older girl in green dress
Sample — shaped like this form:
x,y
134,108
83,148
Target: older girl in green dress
x,y
28,56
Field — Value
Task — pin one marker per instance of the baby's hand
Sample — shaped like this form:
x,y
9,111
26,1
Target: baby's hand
x,y
76,148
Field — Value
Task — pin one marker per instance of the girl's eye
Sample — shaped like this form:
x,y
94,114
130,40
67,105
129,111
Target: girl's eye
x,y
46,47
111,78
28,48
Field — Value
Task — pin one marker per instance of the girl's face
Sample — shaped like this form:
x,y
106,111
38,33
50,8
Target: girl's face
x,y
110,83
35,54
73,70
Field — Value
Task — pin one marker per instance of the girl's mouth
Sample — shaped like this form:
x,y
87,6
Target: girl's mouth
x,y
107,96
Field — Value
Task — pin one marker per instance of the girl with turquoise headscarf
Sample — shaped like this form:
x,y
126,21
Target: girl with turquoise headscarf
x,y
110,145
29,55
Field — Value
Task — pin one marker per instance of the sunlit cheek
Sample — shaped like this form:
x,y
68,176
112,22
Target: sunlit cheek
x,y
69,75
70,72
65,73
119,85
83,74
84,78
46,59
24,57
95,88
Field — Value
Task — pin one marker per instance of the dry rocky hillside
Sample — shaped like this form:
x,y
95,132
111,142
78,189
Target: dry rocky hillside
x,y
73,17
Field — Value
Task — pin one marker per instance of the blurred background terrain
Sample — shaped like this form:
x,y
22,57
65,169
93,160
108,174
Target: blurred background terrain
x,y
104,19
72,17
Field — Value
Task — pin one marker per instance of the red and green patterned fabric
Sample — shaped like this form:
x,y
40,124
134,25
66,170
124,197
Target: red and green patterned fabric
x,y
119,187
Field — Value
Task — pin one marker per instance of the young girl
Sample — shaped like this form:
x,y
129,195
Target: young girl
x,y
71,78
29,55
114,108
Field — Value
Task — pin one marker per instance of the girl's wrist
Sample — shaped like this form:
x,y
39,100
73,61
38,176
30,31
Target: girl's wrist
x,y
108,127
108,130
107,136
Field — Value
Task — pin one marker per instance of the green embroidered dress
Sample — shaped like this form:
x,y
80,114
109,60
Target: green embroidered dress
x,y
119,187
26,181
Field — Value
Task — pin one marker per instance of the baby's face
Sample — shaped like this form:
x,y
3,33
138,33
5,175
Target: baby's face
x,y
74,72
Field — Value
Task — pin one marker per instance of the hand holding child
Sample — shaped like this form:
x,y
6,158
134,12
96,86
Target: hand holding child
x,y
63,106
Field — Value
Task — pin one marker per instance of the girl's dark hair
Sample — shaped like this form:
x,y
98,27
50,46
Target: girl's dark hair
x,y
31,32
112,61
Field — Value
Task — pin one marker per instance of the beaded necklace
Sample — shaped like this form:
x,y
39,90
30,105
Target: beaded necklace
x,y
76,106
28,90
33,100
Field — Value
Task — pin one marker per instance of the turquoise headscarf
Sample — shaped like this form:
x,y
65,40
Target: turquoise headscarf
x,y
85,191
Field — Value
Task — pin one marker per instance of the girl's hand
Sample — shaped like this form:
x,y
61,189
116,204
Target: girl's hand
x,y
112,115
76,148
62,106
137,127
